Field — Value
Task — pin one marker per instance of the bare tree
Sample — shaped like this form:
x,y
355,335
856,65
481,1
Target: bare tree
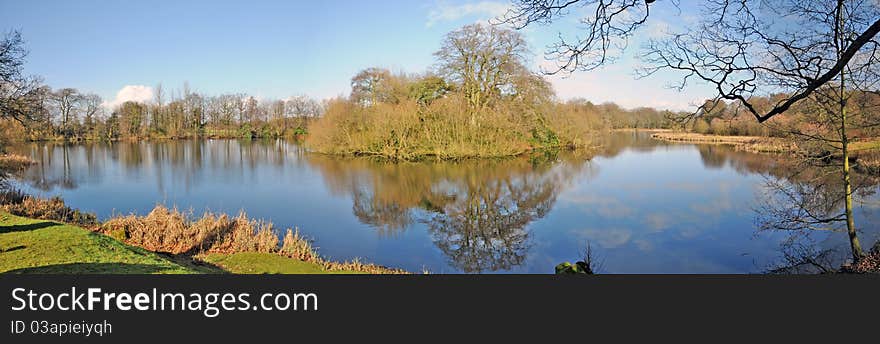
x,y
372,85
821,51
815,51
733,31
608,28
67,101
20,95
91,111
482,61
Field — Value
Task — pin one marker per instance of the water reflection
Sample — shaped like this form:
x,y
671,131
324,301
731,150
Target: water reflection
x,y
649,206
476,213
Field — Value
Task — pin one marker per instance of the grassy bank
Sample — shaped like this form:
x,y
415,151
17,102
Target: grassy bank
x,y
266,263
42,246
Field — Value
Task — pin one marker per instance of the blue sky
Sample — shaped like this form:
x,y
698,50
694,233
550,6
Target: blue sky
x,y
275,49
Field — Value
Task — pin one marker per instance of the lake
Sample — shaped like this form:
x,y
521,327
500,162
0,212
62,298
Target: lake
x,y
644,206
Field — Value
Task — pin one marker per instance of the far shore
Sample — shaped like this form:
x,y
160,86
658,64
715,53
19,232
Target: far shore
x,y
864,151
747,143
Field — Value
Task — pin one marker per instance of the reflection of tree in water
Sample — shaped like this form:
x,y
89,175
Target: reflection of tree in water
x,y
717,156
67,165
477,212
388,218
801,197
618,142
483,227
54,168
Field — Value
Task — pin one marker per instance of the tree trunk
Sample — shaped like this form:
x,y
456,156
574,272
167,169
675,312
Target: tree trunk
x,y
855,246
857,252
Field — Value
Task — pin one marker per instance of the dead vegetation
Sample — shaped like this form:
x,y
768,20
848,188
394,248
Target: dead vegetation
x,y
14,162
17,203
756,144
868,264
173,231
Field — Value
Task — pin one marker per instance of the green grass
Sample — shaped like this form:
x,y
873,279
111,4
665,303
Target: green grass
x,y
40,246
265,263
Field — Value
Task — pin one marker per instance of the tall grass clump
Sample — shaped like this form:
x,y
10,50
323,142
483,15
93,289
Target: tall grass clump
x,y
175,232
13,162
296,246
172,231
17,203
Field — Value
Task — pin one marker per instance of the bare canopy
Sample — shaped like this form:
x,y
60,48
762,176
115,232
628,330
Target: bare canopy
x,y
738,46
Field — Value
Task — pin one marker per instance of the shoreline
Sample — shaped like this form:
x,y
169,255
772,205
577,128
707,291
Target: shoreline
x,y
46,236
747,143
649,130
865,152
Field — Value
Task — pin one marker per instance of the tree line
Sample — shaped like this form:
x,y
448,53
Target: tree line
x,y
717,117
72,115
31,110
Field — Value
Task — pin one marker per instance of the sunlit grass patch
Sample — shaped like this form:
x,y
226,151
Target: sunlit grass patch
x,y
41,246
266,263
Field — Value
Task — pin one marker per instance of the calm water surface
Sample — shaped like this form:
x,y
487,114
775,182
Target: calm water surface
x,y
645,206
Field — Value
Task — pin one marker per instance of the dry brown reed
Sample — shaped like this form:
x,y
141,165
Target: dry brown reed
x,y
172,231
17,203
746,143
14,162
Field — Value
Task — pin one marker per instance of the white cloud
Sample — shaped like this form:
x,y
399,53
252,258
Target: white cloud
x,y
484,10
135,93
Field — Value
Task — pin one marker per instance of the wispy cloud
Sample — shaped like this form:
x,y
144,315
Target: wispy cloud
x,y
135,93
481,11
